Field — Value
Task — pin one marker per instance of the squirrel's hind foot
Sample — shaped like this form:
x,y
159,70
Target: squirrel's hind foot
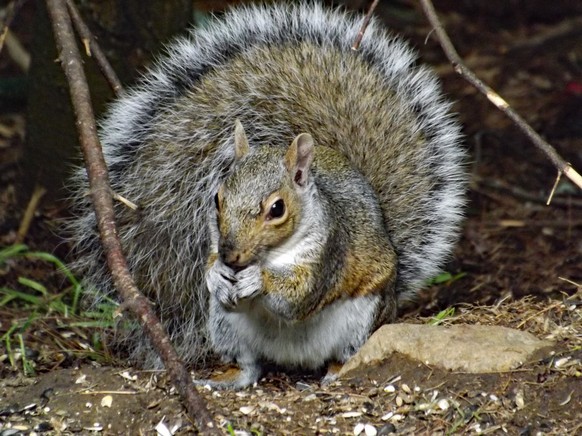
x,y
234,379
333,369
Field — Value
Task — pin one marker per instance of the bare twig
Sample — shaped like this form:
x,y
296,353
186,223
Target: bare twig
x,y
558,177
365,23
458,65
553,33
71,63
37,194
517,192
11,11
128,203
93,49
16,50
578,285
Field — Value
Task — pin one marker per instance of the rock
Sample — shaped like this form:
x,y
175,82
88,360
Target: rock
x,y
466,348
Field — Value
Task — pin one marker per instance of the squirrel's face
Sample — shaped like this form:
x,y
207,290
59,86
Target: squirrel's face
x,y
259,205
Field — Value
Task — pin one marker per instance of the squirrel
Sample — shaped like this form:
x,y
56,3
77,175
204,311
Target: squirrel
x,y
292,192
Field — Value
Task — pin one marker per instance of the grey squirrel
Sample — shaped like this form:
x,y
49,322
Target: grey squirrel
x,y
292,191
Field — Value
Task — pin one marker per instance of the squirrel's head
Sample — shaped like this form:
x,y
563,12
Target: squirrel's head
x,y
259,205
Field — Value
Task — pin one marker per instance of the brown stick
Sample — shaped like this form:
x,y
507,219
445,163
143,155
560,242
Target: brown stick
x,y
71,63
365,23
94,49
461,69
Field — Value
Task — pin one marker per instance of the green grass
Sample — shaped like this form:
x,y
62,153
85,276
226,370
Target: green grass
x,y
440,317
41,304
445,278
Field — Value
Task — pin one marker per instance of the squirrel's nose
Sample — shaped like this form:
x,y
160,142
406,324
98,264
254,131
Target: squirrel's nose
x,y
232,259
235,267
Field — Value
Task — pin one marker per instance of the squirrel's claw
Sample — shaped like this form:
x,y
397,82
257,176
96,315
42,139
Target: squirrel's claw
x,y
220,282
248,282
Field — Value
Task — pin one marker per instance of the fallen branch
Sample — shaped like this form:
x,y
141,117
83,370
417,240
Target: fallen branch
x,y
71,63
461,69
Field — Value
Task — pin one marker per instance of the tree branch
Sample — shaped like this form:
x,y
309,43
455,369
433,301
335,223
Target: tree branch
x,y
461,69
93,49
71,63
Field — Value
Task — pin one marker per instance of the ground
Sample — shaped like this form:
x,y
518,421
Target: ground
x,y
518,264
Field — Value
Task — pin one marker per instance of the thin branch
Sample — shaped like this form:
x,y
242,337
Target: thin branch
x,y
365,23
558,177
71,63
11,11
565,28
17,51
461,69
28,216
93,48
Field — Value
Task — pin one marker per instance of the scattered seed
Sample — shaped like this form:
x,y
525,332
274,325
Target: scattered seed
x,y
395,379
408,399
567,400
443,404
390,389
359,428
153,404
247,410
405,388
271,406
81,379
126,375
106,401
310,397
399,401
519,401
351,414
163,429
388,416
424,407
562,361
370,430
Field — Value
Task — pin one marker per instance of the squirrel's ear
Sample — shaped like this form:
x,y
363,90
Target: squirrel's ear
x,y
241,143
299,157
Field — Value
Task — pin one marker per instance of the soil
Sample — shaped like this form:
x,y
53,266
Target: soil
x,y
519,264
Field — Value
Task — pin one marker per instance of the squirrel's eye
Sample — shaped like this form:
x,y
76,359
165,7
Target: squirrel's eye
x,y
277,209
216,202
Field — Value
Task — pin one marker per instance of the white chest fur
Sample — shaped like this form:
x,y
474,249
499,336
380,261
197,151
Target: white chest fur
x,y
333,334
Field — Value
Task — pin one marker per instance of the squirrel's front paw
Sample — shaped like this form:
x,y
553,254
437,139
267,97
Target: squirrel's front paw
x,y
220,280
248,282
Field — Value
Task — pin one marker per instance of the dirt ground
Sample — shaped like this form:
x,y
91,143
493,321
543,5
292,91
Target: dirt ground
x,y
521,263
